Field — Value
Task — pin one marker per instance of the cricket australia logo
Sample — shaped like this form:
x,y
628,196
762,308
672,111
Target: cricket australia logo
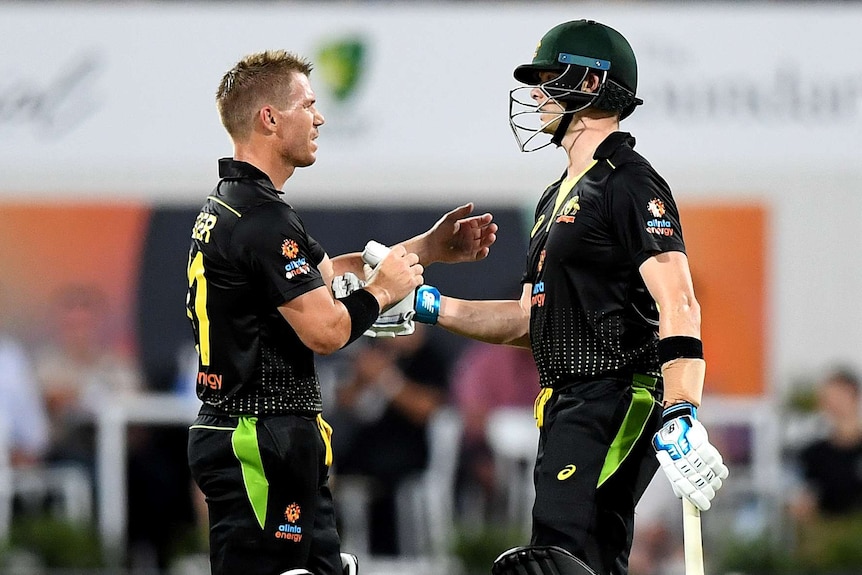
x,y
569,211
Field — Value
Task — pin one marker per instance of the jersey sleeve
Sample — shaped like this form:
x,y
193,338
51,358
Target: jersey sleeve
x,y
316,251
643,213
273,243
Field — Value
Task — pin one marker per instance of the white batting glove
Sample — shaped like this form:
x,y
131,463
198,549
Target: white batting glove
x,y
692,464
374,253
343,286
349,564
398,319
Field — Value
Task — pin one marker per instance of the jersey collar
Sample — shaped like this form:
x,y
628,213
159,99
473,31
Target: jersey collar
x,y
610,144
228,168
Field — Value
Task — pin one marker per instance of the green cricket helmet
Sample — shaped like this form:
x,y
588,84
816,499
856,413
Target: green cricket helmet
x,y
572,50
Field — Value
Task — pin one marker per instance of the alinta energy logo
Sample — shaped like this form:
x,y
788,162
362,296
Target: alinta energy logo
x,y
290,531
342,65
658,225
295,266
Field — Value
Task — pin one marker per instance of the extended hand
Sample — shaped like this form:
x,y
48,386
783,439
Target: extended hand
x,y
458,237
692,464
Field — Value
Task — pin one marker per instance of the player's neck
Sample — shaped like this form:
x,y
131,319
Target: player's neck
x,y
583,137
264,159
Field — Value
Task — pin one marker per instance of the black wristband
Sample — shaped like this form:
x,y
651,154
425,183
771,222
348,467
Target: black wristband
x,y
677,346
363,310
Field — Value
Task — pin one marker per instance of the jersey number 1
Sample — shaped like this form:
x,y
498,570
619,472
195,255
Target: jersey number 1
x,y
198,280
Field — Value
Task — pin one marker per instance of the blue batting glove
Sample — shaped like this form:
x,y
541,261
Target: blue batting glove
x,y
693,466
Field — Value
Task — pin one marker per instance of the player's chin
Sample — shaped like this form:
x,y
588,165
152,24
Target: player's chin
x,y
312,151
550,128
309,159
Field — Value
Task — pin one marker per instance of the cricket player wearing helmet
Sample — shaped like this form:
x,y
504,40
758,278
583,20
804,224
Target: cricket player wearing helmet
x,y
608,309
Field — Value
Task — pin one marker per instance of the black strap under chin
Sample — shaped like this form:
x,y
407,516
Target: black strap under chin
x,y
560,132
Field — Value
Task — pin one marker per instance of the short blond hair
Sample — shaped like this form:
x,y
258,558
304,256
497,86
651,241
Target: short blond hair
x,y
256,80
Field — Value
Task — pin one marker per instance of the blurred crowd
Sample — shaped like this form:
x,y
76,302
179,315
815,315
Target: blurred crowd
x,y
431,443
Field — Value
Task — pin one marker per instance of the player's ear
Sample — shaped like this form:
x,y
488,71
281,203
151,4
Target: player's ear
x,y
267,117
591,83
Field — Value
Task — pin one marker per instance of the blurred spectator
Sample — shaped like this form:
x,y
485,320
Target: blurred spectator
x,y
487,377
831,467
23,420
78,371
384,402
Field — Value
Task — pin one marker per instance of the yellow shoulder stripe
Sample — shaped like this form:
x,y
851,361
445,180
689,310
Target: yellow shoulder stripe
x,y
221,203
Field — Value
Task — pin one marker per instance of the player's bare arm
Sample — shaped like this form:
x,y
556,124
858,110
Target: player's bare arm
x,y
342,264
668,279
324,323
492,321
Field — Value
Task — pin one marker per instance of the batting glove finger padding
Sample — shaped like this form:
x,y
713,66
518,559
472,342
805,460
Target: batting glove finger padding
x,y
398,319
343,286
693,466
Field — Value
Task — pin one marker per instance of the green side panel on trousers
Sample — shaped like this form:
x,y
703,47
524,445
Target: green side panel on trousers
x,y
246,450
630,431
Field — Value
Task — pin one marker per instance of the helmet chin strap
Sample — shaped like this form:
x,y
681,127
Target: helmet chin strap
x,y
562,128
567,116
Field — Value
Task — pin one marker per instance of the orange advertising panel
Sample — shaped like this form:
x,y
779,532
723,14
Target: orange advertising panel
x,y
45,248
727,249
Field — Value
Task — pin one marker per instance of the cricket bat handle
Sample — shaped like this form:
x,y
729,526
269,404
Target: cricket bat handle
x,y
692,538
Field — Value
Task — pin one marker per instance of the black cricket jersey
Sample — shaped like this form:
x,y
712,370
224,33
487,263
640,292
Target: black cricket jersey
x,y
250,253
591,314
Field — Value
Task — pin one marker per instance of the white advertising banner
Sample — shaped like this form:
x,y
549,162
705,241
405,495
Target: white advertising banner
x,y
108,99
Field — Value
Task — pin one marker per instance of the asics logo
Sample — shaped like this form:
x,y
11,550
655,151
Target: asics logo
x,y
566,472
